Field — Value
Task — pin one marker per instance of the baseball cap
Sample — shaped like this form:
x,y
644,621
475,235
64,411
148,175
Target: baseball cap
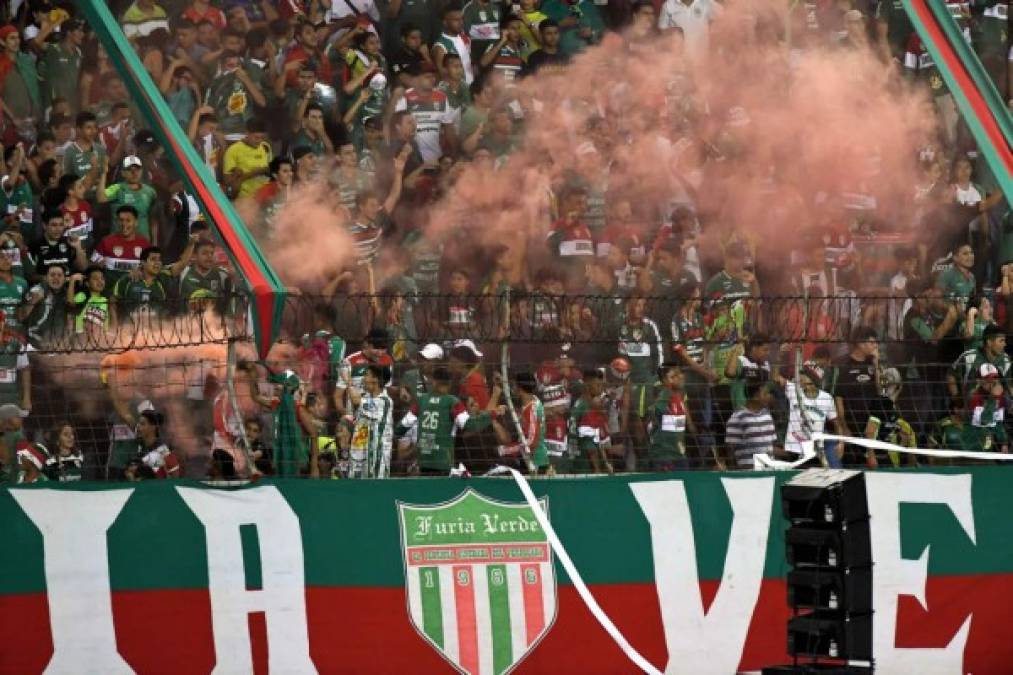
x,y
36,453
468,344
987,371
144,137
131,160
426,67
432,352
72,25
7,30
9,411
373,122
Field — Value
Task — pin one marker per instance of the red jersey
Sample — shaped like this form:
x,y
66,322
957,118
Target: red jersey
x,y
574,238
81,222
212,14
474,386
555,435
116,252
322,65
613,234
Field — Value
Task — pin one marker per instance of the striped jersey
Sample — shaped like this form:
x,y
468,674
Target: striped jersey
x,y
750,433
431,111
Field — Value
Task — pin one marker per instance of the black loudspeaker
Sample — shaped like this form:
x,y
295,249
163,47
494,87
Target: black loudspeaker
x,y
831,635
829,585
825,496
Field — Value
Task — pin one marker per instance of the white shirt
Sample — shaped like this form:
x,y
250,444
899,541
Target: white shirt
x,y
340,9
806,416
694,19
969,196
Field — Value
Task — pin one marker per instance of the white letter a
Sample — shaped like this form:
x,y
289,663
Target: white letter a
x,y
282,597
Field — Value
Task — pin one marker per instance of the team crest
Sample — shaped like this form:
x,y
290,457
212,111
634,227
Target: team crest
x,y
479,580
117,251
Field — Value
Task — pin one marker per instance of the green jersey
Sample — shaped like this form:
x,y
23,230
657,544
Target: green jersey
x,y
440,416
92,310
587,431
947,434
458,98
956,285
688,335
723,286
481,23
141,297
746,369
214,283
640,343
79,161
120,194
60,69
668,429
974,341
12,294
968,366
18,200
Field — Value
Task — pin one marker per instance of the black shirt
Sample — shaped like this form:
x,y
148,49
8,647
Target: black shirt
x,y
405,61
541,59
855,383
42,254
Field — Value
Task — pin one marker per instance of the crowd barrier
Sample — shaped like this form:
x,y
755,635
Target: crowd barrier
x,y
422,575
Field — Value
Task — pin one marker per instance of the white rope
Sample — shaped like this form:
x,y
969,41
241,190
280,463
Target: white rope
x,y
578,583
890,447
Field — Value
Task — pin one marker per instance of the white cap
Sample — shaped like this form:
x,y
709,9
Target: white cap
x,y
131,160
11,411
988,370
470,344
432,352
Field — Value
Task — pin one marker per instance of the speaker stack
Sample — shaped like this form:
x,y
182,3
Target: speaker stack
x,y
830,578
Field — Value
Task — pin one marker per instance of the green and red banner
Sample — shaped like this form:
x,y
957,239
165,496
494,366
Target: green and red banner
x,y
267,289
975,94
442,575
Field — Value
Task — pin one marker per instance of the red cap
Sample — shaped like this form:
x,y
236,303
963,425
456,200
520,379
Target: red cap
x,y
7,30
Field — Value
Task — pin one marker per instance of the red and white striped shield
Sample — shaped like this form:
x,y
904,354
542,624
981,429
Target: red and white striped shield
x,y
480,582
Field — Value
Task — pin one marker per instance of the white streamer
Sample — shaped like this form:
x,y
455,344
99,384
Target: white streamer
x,y
578,582
890,447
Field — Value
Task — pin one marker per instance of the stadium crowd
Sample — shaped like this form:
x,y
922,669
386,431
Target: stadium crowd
x,y
633,337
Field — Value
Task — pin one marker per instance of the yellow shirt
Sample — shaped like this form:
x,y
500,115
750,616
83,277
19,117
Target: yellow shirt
x,y
241,156
529,32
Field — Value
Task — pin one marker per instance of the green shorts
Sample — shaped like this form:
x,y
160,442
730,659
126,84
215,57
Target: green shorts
x,y
641,398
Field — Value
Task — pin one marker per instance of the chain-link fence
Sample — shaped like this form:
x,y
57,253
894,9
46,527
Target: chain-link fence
x,y
407,384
